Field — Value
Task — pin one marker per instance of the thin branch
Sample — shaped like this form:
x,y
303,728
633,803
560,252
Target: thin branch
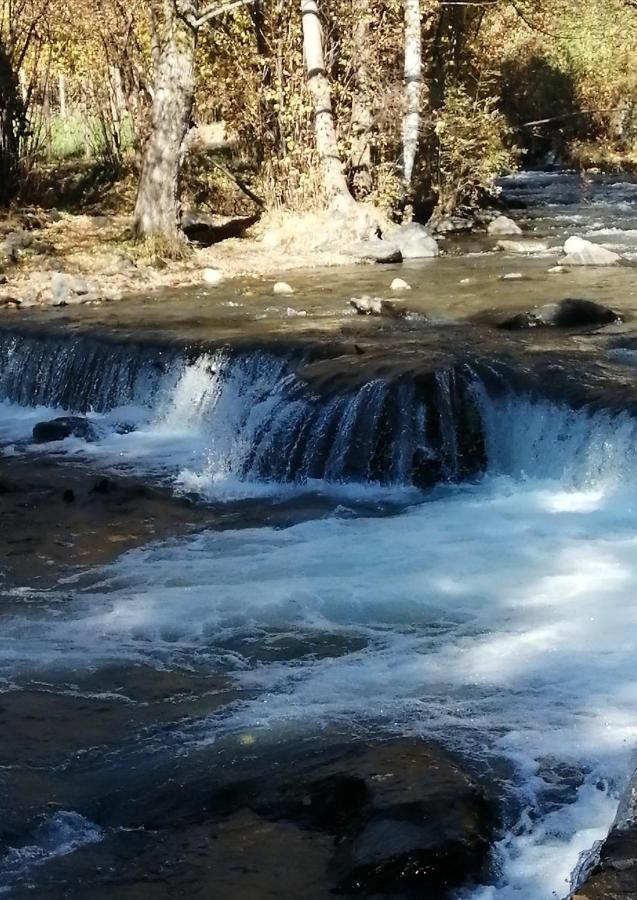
x,y
219,9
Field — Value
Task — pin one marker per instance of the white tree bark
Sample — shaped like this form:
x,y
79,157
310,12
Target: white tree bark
x,y
334,181
413,89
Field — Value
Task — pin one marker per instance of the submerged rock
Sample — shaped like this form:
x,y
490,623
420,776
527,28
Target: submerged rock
x,y
503,225
580,252
61,428
405,816
378,306
212,277
569,313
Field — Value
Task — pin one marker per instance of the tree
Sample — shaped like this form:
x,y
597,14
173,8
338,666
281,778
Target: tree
x,y
413,90
157,208
360,161
334,181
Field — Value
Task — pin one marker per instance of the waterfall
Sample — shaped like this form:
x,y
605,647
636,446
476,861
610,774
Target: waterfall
x,y
254,418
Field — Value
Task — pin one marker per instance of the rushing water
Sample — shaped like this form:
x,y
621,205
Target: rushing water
x,y
493,611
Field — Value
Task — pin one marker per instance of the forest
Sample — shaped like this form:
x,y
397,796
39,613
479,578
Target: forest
x,y
258,106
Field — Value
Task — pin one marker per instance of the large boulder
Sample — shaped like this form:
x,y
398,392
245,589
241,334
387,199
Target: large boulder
x,y
61,428
580,252
404,815
414,241
569,313
373,250
503,225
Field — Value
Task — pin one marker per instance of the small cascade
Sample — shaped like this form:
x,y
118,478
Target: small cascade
x,y
251,417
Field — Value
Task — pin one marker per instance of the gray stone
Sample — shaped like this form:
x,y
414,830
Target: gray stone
x,y
580,252
504,225
525,246
414,241
373,250
454,224
378,306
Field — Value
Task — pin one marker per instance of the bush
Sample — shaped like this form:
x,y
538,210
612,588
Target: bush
x,y
473,148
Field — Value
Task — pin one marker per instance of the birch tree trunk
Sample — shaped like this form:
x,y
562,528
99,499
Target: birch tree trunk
x,y
334,182
157,209
413,91
360,161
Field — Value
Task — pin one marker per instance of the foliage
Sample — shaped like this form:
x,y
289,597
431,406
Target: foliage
x,y
472,136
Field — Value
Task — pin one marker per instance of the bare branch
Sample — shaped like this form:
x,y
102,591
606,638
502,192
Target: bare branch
x,y
213,12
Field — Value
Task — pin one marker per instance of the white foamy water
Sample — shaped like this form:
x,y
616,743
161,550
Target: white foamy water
x,y
500,619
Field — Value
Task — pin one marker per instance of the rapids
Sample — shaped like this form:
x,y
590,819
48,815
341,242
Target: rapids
x,y
472,579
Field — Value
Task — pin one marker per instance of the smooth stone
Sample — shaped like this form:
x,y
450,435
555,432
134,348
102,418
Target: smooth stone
x,y
373,250
556,270
212,276
414,241
282,287
569,313
523,246
512,276
503,225
399,284
581,252
61,428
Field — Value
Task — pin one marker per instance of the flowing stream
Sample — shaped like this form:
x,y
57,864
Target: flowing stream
x,y
473,580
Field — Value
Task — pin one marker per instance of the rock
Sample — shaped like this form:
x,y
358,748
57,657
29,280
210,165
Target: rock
x,y
503,225
556,270
523,246
66,289
512,276
373,250
580,252
456,224
18,240
3,278
212,276
399,284
282,287
377,306
61,428
404,816
569,313
414,241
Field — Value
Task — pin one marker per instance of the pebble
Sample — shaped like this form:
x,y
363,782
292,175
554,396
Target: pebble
x,y
282,287
512,276
399,284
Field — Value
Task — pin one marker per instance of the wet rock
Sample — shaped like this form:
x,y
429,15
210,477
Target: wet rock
x,y
512,276
503,225
374,250
570,313
525,246
405,816
282,288
580,252
399,284
614,877
414,241
61,428
378,306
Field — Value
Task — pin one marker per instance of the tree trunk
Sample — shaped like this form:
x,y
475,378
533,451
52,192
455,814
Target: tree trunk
x,y
334,182
360,161
12,120
157,209
413,90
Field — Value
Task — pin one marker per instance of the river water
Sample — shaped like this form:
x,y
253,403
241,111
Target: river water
x,y
494,613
